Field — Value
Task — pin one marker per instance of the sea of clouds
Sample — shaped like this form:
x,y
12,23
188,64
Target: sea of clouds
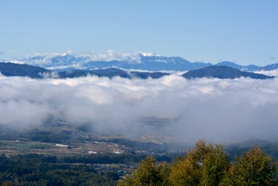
x,y
211,109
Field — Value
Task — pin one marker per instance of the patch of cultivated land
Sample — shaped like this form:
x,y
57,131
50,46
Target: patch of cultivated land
x,y
62,140
26,147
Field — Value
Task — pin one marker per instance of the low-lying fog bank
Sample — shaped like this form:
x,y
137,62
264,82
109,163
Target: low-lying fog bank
x,y
211,109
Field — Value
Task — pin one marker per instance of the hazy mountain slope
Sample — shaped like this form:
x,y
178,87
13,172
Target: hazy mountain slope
x,y
248,67
12,69
112,72
222,72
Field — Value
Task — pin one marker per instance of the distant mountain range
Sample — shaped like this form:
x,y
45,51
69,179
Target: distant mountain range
x,y
23,70
248,67
140,61
222,72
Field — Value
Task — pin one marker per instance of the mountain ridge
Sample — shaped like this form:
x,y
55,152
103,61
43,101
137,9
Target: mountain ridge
x,y
24,70
222,72
151,62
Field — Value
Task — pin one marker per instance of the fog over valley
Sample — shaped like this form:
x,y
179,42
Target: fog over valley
x,y
214,109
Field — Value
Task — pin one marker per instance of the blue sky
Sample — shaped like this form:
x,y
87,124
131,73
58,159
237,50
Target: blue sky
x,y
243,31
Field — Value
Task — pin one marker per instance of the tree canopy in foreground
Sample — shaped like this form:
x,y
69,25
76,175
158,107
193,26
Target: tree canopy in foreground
x,y
206,165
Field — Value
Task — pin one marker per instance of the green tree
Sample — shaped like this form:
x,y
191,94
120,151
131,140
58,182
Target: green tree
x,y
188,170
147,173
215,164
254,167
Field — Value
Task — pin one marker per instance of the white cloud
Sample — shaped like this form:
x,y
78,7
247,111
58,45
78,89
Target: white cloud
x,y
49,75
268,72
202,108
